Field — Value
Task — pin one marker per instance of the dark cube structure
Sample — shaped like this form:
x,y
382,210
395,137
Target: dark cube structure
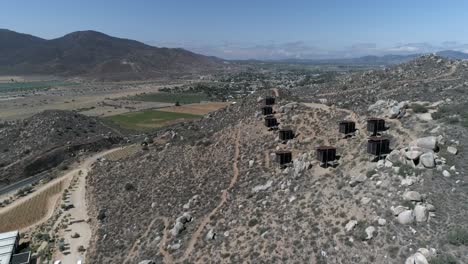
x,y
286,134
283,157
326,154
267,110
375,125
347,127
269,100
270,121
378,146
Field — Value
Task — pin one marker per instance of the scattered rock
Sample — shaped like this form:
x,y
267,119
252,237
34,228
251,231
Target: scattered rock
x,y
350,225
370,232
427,160
382,221
210,235
420,213
452,150
446,173
426,142
406,217
264,187
357,179
412,196
398,210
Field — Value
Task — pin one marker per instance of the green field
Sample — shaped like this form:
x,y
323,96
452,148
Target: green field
x,y
27,86
148,119
182,98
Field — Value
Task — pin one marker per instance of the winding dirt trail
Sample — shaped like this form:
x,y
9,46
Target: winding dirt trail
x,y
196,235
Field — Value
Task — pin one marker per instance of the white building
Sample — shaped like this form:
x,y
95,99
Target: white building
x,y
8,246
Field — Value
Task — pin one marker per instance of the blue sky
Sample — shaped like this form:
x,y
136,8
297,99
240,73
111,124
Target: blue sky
x,y
255,29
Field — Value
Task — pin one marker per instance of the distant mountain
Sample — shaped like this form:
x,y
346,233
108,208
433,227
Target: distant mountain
x,y
452,54
377,60
96,55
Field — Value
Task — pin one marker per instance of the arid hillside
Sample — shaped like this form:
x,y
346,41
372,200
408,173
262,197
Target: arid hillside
x,y
211,191
47,139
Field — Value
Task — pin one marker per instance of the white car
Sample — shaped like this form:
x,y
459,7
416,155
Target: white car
x,y
58,262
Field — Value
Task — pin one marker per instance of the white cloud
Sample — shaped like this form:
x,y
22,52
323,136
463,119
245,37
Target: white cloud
x,y
302,50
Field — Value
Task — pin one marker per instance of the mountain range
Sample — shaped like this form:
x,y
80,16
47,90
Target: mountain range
x,y
378,60
96,55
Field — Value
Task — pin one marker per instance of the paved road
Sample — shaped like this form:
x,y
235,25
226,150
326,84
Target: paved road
x,y
23,183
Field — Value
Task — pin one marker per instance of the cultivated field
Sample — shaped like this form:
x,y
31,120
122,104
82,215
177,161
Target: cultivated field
x,y
182,98
31,210
122,153
148,119
196,109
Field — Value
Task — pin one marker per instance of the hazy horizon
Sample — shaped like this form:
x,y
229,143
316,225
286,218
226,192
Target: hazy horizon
x,y
257,30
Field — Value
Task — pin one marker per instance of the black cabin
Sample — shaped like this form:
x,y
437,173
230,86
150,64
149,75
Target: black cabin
x,y
267,110
269,100
270,121
375,125
326,154
283,157
286,134
378,146
347,127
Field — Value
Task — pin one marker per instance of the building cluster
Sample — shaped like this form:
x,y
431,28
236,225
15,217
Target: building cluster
x,y
377,144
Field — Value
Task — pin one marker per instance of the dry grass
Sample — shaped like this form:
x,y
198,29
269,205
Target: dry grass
x,y
31,210
196,109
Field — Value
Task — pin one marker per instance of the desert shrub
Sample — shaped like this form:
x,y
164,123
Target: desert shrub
x,y
419,108
101,215
458,236
129,187
443,259
81,249
75,235
253,222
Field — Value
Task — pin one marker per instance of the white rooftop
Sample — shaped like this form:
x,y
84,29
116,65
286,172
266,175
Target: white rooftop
x,y
7,245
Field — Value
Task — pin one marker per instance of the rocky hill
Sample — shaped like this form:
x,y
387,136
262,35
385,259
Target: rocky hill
x,y
46,140
211,191
96,55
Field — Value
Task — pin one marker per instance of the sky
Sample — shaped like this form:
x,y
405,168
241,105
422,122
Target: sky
x,y
256,29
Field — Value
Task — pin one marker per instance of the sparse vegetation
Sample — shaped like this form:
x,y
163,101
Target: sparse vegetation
x,y
458,236
148,119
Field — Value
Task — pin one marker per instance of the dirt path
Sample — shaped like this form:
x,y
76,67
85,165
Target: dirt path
x,y
196,235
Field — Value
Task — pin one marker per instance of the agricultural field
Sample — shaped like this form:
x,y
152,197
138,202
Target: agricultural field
x,y
182,98
29,86
196,109
148,119
122,153
30,211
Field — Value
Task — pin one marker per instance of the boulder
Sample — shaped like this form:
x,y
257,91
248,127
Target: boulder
x,y
413,154
420,213
370,232
210,235
446,173
412,196
427,160
398,210
452,150
350,225
394,156
406,217
357,179
426,142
